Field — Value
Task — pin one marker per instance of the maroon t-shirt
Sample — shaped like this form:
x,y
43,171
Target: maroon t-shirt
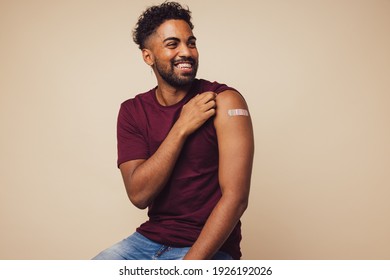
x,y
179,212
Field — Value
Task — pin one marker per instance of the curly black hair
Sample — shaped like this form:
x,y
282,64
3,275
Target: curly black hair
x,y
154,16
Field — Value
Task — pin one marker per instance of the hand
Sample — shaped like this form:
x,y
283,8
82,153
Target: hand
x,y
196,112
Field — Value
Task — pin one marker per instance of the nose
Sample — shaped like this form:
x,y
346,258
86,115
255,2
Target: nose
x,y
184,50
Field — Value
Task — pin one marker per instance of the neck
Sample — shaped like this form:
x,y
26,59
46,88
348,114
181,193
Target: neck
x,y
168,95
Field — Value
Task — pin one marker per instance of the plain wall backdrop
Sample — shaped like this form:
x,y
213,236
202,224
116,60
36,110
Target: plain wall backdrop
x,y
316,76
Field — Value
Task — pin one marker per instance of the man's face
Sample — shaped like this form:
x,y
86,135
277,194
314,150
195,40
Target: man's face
x,y
175,55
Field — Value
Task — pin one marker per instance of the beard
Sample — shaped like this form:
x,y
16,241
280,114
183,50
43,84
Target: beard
x,y
174,79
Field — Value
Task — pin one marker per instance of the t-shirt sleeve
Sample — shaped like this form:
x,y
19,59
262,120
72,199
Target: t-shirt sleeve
x,y
217,87
131,143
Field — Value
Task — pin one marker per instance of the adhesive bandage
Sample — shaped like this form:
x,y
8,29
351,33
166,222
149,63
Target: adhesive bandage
x,y
238,112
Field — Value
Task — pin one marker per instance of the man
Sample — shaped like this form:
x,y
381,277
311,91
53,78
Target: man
x,y
185,150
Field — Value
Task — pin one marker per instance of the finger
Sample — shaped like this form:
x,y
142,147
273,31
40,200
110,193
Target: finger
x,y
211,104
206,96
211,112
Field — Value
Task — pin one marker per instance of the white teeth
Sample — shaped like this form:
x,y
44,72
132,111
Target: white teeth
x,y
184,65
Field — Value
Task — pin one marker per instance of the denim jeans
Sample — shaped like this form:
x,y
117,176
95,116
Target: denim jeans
x,y
138,247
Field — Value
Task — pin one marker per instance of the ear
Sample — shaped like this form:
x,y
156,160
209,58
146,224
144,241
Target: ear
x,y
148,57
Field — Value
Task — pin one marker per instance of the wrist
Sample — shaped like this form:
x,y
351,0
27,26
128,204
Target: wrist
x,y
180,131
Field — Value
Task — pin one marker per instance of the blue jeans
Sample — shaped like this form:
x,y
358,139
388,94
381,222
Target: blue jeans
x,y
138,247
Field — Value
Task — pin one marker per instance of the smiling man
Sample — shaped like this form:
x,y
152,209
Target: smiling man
x,y
185,150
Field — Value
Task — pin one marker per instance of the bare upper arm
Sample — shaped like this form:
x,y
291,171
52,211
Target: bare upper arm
x,y
127,169
235,142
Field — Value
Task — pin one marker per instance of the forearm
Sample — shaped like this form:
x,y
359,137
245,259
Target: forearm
x,y
218,227
149,178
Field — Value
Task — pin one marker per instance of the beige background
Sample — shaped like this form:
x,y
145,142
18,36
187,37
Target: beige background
x,y
315,75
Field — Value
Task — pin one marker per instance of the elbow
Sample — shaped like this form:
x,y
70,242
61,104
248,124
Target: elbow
x,y
242,205
139,203
138,200
136,197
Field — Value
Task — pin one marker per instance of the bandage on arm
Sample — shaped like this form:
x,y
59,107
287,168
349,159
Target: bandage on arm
x,y
238,112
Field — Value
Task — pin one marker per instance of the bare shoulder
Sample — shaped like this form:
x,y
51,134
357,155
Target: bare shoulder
x,y
230,98
230,103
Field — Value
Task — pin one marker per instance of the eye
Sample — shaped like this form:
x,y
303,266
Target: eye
x,y
172,45
192,44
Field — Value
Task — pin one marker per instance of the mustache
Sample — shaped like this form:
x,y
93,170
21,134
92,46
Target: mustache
x,y
188,59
